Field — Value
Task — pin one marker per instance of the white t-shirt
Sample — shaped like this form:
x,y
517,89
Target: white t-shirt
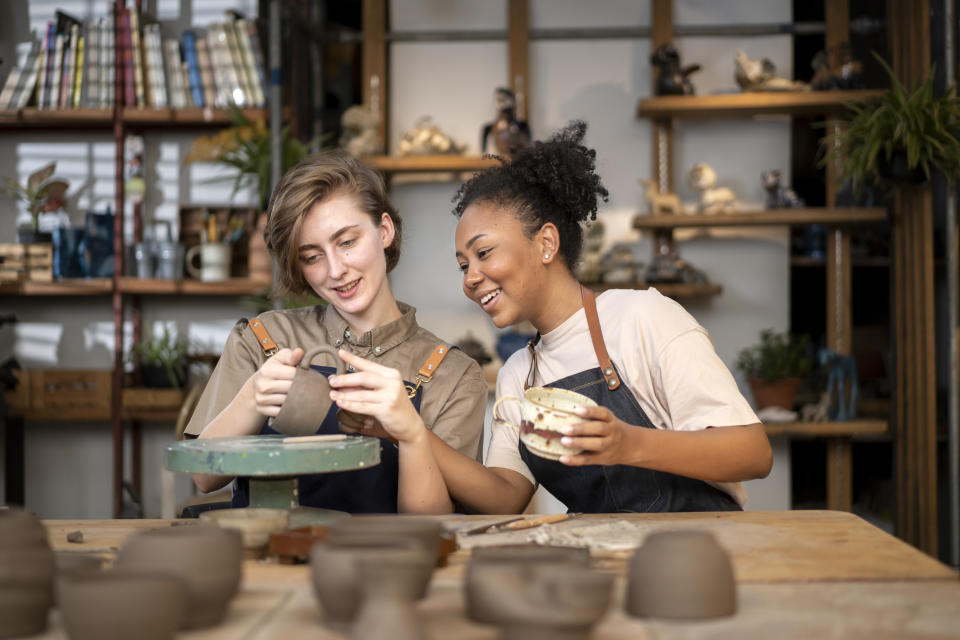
x,y
665,358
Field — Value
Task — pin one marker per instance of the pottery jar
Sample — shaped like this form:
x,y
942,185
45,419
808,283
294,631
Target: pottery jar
x,y
682,574
388,530
207,558
308,399
391,581
120,604
26,574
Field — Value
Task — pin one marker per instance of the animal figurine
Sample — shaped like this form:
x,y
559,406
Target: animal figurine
x,y
622,264
713,199
835,68
360,131
816,411
779,196
505,135
660,203
842,381
672,79
667,266
760,75
426,138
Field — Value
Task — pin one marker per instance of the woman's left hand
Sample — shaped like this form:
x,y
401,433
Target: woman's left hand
x,y
378,392
600,435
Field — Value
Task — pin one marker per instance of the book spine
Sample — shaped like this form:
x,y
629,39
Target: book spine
x,y
193,69
26,83
32,75
108,62
69,67
137,57
126,50
242,95
206,71
154,66
54,97
257,97
171,58
91,84
258,59
220,58
8,94
42,80
78,73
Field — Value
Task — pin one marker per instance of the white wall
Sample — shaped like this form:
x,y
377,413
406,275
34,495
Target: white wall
x,y
68,466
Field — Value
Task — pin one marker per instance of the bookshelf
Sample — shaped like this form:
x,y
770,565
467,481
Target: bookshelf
x,y
132,111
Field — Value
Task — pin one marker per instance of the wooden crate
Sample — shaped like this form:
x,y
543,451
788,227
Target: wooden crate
x,y
70,395
236,223
26,262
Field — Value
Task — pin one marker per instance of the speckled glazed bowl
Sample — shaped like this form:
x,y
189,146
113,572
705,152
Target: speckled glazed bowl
x,y
207,559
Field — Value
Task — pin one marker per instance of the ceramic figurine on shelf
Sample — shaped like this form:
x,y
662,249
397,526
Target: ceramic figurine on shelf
x,y
361,135
506,134
135,186
713,199
760,75
672,79
668,267
779,196
590,268
835,68
660,203
816,411
426,138
622,264
842,381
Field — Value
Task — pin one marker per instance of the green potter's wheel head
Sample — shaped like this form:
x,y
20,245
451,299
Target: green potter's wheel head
x,y
268,456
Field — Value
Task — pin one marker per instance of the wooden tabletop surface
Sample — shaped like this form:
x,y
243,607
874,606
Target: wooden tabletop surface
x,y
800,574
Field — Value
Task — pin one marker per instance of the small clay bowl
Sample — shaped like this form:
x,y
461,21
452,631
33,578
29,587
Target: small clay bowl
x,y
69,563
515,554
336,583
27,569
681,574
207,559
118,605
386,529
254,524
539,601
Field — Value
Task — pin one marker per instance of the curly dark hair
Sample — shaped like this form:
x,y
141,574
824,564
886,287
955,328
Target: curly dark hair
x,y
549,181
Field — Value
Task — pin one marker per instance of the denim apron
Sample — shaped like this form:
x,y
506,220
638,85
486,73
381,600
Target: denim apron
x,y
370,490
616,488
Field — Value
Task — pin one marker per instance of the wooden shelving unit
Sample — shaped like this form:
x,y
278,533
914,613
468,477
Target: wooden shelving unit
x,y
231,287
67,287
860,427
411,164
751,104
32,118
825,216
675,290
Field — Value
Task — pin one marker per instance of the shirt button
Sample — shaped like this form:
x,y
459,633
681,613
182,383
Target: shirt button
x,y
338,342
378,350
346,333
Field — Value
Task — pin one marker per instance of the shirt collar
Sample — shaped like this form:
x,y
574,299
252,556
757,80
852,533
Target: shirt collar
x,y
378,340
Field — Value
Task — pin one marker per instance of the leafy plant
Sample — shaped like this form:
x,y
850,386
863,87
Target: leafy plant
x,y
922,126
775,357
245,147
42,192
164,352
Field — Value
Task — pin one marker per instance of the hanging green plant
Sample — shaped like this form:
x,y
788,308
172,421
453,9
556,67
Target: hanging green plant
x,y
903,134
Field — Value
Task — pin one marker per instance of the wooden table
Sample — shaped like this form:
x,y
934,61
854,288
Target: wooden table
x,y
800,574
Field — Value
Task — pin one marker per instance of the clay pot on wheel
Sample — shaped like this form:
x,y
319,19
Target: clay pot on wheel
x,y
26,574
681,574
206,558
117,605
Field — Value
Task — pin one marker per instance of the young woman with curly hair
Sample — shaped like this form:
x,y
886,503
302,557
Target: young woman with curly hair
x,y
334,233
671,431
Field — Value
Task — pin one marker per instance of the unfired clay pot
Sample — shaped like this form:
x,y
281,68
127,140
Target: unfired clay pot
x,y
119,605
308,399
533,601
69,563
26,574
388,530
391,581
681,574
336,583
515,554
206,558
255,524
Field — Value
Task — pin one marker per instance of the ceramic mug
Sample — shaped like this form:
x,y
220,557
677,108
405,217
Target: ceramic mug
x,y
308,399
544,411
214,261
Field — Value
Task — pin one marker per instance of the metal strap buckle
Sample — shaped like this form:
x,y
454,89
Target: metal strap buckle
x,y
412,390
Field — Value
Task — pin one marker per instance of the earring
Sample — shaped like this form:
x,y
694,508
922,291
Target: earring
x,y
546,256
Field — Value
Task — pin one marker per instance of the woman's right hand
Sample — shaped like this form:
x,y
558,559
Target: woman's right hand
x,y
272,381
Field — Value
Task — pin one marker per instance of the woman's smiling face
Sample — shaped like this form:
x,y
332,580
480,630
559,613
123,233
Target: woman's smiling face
x,y
341,253
499,263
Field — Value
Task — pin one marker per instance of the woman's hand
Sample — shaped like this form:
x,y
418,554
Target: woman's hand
x,y
600,435
272,381
377,393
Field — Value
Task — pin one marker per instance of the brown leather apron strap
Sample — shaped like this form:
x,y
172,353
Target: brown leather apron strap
x,y
428,368
596,336
266,342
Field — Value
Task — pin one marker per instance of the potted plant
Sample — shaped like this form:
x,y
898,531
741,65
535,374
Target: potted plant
x,y
162,360
903,136
41,194
774,366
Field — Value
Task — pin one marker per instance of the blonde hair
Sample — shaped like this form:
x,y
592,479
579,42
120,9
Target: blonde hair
x,y
301,188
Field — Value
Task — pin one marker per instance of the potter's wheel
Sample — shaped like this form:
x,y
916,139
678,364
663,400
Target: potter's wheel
x,y
272,466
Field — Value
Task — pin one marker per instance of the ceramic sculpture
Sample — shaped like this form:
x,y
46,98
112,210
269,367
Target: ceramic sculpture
x,y
713,199
672,78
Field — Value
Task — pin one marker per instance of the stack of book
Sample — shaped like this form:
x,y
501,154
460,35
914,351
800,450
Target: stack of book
x,y
74,65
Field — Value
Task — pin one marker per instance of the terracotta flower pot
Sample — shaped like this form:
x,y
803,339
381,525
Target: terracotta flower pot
x,y
781,393
27,568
